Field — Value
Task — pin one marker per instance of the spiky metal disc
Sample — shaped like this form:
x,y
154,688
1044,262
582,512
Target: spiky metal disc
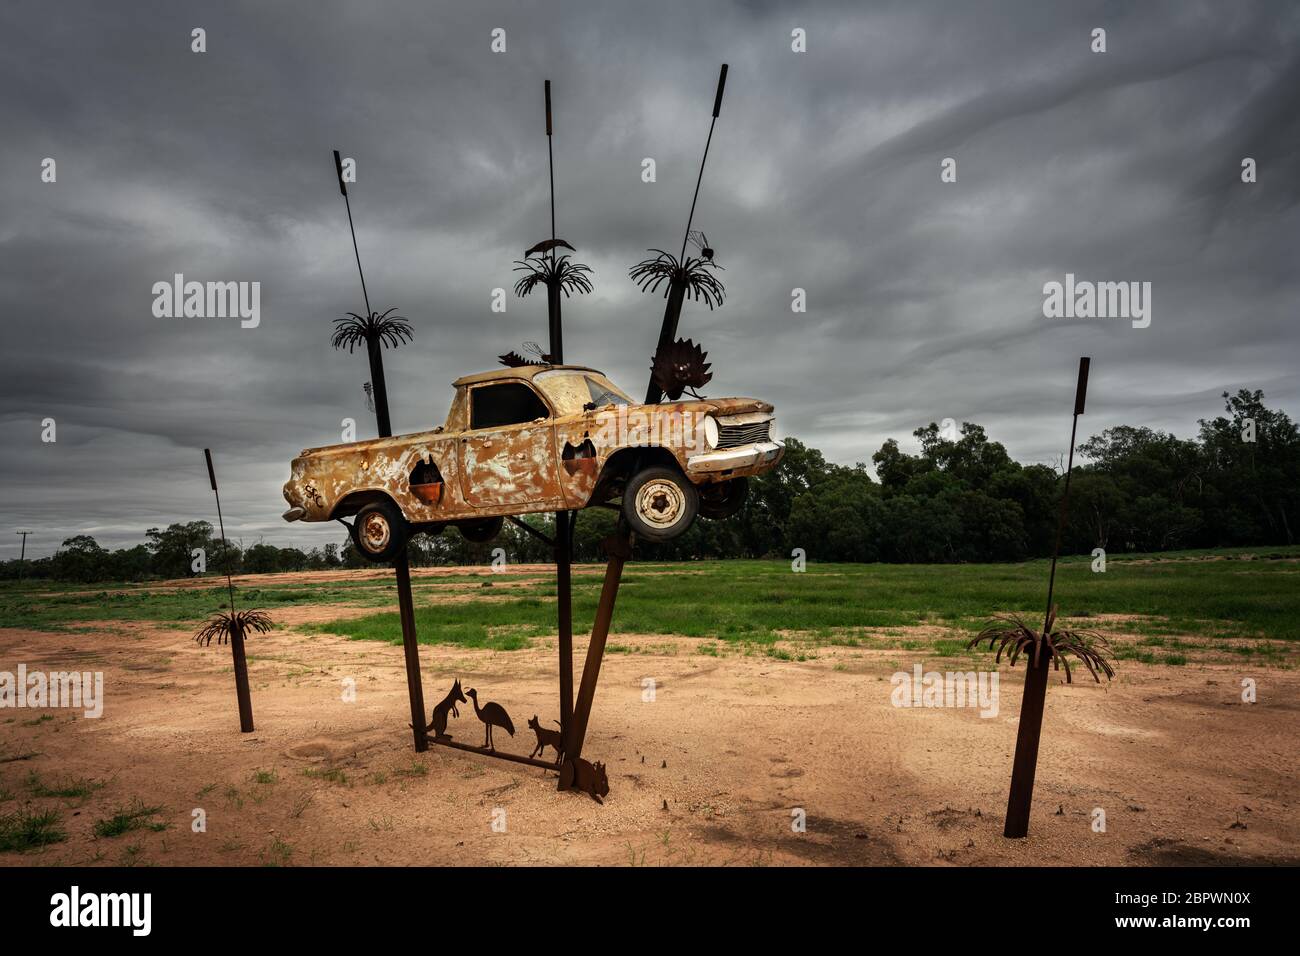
x,y
680,366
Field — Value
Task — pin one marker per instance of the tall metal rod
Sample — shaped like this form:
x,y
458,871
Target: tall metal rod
x,y
1024,766
563,542
242,693
717,108
338,168
676,292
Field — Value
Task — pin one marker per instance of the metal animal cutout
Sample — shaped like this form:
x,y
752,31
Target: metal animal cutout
x,y
493,715
700,241
681,367
448,704
546,738
590,778
513,359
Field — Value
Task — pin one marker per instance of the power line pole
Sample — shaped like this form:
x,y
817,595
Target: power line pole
x,y
23,555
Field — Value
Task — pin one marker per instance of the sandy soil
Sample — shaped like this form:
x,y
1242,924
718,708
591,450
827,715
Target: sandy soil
x,y
707,773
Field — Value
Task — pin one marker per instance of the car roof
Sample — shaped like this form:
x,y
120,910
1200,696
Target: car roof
x,y
524,372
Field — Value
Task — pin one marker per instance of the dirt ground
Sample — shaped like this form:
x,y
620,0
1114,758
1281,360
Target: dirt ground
x,y
711,771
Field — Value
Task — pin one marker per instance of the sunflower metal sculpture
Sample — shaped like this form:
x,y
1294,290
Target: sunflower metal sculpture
x,y
680,367
224,623
691,272
1011,631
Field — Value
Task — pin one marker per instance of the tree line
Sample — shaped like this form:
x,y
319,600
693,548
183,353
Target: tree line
x,y
960,499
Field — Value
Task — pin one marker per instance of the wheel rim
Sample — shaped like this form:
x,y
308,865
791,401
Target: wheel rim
x,y
375,532
660,503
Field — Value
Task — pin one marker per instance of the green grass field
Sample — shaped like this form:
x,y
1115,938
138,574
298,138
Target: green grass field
x,y
1242,602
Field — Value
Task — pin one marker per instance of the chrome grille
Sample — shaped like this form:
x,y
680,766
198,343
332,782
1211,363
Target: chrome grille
x,y
732,436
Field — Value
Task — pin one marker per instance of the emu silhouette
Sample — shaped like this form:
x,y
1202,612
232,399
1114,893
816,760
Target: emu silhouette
x,y
493,715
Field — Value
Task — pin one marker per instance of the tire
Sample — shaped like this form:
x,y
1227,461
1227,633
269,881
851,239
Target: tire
x,y
724,499
660,503
480,532
379,532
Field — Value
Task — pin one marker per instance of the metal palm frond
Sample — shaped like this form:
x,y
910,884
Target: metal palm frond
x,y
223,624
701,284
570,277
1009,631
385,328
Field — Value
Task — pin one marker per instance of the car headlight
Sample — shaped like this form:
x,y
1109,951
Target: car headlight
x,y
711,431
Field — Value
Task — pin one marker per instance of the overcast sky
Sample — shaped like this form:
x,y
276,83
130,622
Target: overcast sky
x,y
924,298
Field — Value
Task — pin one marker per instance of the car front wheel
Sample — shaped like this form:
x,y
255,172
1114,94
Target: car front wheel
x,y
379,531
660,503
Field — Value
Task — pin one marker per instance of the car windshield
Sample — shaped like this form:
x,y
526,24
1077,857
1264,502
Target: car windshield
x,y
571,392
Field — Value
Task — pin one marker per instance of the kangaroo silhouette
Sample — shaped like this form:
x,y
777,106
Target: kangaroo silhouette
x,y
439,722
493,715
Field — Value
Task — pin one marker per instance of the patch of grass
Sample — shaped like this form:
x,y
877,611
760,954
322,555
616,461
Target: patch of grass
x,y
28,829
81,787
332,774
277,853
134,817
264,777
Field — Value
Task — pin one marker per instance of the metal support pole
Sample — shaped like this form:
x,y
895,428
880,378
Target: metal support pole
x,y
564,609
242,692
499,755
1029,731
414,686
619,548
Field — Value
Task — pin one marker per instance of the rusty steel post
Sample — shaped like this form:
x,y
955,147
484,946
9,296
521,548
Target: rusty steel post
x,y
1030,728
564,609
414,686
242,693
619,548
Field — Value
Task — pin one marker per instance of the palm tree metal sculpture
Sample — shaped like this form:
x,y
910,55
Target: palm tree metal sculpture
x,y
375,331
1043,648
229,627
560,275
684,275
378,331
1011,635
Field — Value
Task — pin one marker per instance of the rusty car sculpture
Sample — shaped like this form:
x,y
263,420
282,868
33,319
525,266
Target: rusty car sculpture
x,y
539,438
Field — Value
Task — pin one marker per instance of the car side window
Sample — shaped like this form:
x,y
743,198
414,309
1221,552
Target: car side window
x,y
504,403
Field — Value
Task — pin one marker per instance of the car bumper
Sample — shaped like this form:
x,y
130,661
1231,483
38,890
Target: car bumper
x,y
747,458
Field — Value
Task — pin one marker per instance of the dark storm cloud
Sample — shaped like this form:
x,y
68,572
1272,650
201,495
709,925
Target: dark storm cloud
x,y
924,299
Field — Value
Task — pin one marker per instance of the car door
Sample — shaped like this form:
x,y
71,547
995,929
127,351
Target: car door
x,y
507,456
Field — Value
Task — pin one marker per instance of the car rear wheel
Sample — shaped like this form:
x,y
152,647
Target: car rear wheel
x,y
723,499
660,503
483,531
379,531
